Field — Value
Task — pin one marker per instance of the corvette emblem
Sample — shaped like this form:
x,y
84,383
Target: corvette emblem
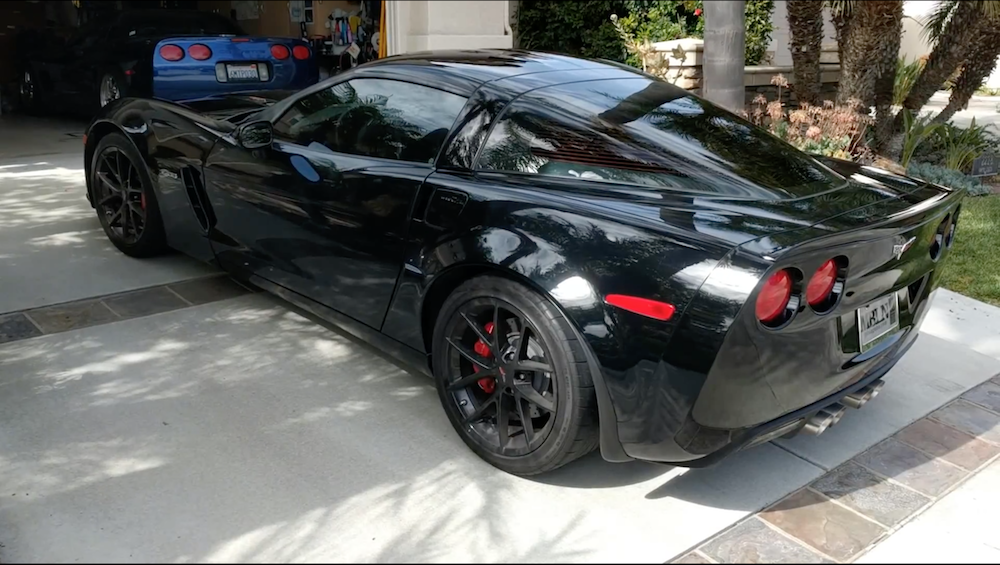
x,y
902,246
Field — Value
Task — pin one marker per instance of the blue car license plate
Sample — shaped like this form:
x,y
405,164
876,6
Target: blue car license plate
x,y
244,73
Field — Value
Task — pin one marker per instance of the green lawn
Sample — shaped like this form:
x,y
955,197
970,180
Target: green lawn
x,y
973,269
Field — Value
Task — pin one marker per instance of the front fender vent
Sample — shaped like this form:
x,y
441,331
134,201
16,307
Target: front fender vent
x,y
199,198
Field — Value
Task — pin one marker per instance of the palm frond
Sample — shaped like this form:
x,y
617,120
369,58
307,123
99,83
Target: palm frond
x,y
939,18
843,7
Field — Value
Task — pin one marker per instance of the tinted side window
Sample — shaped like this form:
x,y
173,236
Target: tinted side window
x,y
645,132
374,117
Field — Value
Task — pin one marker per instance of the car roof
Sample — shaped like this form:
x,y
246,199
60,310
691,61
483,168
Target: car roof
x,y
509,67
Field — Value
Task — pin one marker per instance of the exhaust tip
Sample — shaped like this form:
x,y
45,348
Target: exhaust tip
x,y
822,420
860,397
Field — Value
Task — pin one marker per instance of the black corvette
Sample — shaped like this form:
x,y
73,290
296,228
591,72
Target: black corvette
x,y
579,254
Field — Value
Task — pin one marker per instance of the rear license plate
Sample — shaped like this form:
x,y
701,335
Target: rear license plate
x,y
876,320
247,73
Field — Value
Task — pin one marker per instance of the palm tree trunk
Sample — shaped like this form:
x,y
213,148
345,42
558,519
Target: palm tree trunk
x,y
805,24
725,53
872,39
977,68
841,19
952,48
891,26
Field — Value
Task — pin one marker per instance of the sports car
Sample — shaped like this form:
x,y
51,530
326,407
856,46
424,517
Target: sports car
x,y
579,254
168,54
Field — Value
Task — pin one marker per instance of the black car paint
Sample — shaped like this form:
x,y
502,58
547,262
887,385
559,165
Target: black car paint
x,y
686,390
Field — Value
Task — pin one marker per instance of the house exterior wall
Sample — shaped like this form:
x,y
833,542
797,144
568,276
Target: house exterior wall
x,y
419,25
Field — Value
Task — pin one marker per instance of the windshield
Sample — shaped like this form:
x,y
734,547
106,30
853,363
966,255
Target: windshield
x,y
166,23
648,132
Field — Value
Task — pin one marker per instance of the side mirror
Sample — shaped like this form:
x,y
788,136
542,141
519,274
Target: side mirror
x,y
255,135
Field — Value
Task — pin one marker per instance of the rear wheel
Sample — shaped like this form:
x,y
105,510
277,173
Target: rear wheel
x,y
124,199
512,377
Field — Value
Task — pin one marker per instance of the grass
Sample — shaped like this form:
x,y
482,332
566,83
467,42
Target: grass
x,y
973,268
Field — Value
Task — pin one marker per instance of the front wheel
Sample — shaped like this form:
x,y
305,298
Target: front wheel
x,y
512,377
111,88
28,92
124,199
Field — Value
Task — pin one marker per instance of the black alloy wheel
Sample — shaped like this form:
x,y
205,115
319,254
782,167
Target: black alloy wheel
x,y
509,379
501,379
124,200
120,196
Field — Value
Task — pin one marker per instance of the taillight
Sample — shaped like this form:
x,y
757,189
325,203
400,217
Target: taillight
x,y
199,52
171,52
821,284
300,52
774,296
279,52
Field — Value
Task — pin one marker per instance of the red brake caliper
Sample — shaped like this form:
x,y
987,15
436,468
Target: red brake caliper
x,y
488,384
142,200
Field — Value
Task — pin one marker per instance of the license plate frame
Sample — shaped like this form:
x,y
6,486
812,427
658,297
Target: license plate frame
x,y
871,332
243,72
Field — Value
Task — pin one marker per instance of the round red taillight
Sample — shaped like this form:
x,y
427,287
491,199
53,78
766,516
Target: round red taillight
x,y
300,52
821,283
279,52
773,298
171,52
199,52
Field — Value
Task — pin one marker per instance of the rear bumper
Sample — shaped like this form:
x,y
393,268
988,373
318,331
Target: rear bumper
x,y
194,83
739,439
790,423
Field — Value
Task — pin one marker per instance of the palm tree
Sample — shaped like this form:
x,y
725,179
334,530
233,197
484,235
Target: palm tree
x,y
725,47
805,24
955,27
977,67
870,48
890,18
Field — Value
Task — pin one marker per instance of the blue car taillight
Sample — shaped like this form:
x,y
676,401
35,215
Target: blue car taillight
x,y
199,52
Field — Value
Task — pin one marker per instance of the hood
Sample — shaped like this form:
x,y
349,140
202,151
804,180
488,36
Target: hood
x,y
225,106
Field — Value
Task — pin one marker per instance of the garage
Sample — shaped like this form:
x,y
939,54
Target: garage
x,y
60,51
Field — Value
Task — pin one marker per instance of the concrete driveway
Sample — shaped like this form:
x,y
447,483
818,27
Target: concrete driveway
x,y
203,422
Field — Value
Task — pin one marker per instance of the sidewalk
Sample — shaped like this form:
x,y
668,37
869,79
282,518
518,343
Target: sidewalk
x,y
929,494
961,528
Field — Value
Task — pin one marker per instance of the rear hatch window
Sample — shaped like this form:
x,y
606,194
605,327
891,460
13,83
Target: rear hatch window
x,y
645,132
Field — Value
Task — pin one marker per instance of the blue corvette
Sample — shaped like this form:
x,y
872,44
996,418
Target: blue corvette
x,y
169,54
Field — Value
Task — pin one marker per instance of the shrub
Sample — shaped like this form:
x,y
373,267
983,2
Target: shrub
x,y
759,28
584,28
916,130
580,28
947,177
961,146
831,130
906,75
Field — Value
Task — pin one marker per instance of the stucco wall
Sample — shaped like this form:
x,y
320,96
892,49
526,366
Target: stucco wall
x,y
451,24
